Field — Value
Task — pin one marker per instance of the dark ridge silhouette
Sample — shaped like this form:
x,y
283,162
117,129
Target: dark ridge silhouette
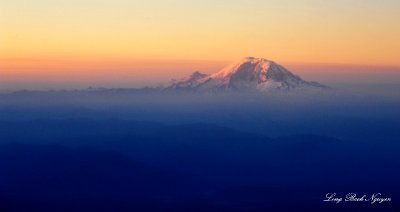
x,y
116,165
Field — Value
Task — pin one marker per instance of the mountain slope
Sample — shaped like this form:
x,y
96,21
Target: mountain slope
x,y
247,74
190,81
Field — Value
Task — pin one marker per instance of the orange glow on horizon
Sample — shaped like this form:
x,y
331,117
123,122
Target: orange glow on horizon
x,y
153,39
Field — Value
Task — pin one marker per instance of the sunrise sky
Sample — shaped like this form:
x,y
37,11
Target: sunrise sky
x,y
126,42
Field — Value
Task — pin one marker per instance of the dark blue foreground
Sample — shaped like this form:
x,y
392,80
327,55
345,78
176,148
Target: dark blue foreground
x,y
114,165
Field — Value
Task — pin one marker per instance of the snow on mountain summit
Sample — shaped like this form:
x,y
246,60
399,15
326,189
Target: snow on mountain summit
x,y
187,82
249,73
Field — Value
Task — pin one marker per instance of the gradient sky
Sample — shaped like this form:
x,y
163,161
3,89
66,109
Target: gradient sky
x,y
99,41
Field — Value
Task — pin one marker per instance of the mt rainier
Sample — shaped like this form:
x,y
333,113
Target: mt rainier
x,y
247,74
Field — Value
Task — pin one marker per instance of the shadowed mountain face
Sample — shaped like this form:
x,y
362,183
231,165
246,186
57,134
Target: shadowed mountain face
x,y
115,165
52,177
247,74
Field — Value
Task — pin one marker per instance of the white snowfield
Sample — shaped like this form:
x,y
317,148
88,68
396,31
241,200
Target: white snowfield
x,y
245,75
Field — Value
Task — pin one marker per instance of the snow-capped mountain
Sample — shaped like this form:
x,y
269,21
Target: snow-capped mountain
x,y
247,74
188,82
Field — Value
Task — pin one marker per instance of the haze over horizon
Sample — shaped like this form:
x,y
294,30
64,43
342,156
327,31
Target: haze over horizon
x,y
127,75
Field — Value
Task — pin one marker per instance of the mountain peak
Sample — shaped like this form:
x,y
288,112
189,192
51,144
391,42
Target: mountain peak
x,y
187,82
197,75
255,60
249,73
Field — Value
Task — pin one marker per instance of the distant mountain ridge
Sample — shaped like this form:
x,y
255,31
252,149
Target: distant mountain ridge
x,y
249,73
